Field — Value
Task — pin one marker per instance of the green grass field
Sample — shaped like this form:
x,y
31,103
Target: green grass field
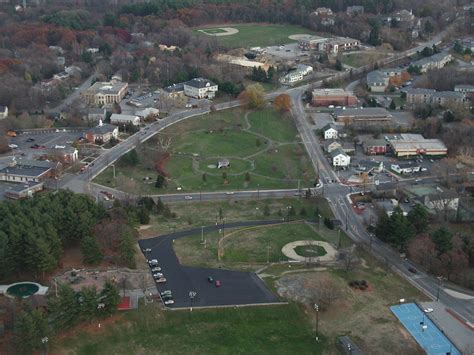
x,y
251,330
359,59
253,35
264,144
310,251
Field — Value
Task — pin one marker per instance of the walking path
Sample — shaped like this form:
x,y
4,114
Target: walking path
x,y
289,251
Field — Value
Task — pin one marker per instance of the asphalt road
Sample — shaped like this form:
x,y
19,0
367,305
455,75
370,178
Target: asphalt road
x,y
238,287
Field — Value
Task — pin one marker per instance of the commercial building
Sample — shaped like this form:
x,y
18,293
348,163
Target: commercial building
x,y
359,115
375,146
415,144
200,88
436,61
417,96
102,133
336,97
16,191
405,168
370,166
435,198
311,43
105,93
328,45
121,119
25,170
149,112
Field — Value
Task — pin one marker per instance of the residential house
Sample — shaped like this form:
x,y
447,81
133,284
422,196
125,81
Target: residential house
x,y
375,146
415,144
467,90
325,15
348,148
105,93
355,10
149,112
339,158
61,76
25,170
122,119
102,133
3,112
332,145
434,198
419,95
436,61
380,80
323,11
200,88
370,166
330,131
336,97
405,168
390,205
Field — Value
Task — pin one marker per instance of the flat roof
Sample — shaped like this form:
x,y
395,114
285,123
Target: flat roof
x,y
29,171
362,112
428,144
329,92
106,88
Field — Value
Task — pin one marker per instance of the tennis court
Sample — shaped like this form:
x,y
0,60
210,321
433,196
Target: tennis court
x,y
425,332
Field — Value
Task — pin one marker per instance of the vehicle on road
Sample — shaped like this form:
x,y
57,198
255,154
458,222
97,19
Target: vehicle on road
x,y
210,279
153,262
158,275
146,250
156,269
218,283
229,193
109,195
412,270
12,146
168,302
166,292
160,280
188,197
29,140
428,310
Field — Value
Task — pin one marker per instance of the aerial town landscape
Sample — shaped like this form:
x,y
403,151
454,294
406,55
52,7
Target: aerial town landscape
x,y
237,176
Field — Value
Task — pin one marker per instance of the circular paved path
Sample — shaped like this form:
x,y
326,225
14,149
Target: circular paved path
x,y
289,251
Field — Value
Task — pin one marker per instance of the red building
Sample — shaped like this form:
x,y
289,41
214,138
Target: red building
x,y
375,147
336,97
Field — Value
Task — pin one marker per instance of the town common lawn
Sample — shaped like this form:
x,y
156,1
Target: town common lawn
x,y
256,35
263,143
281,329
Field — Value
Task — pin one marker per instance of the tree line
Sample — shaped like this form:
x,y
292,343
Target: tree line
x,y
34,232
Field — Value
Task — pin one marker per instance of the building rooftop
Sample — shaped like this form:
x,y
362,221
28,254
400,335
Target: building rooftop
x,y
427,144
464,86
376,77
433,59
200,83
337,152
363,112
374,142
174,88
417,91
329,126
449,95
329,92
106,88
123,117
103,129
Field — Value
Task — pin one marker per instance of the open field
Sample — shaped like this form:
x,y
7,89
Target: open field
x,y
263,148
249,330
253,35
360,59
205,213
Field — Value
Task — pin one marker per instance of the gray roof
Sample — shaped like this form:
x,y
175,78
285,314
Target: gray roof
x,y
405,165
468,87
434,58
376,77
369,163
374,142
105,128
416,91
174,87
449,95
30,171
199,83
337,152
363,112
329,126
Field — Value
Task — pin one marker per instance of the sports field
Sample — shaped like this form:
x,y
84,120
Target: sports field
x,y
254,35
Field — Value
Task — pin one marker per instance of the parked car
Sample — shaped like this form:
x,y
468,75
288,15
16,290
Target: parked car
x,y
218,283
158,275
412,270
156,269
146,250
168,302
210,279
160,280
428,310
166,292
29,140
12,146
153,262
188,197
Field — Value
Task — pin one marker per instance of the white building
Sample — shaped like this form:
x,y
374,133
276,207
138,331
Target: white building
x,y
148,112
297,75
121,119
340,158
405,168
200,88
330,132
3,112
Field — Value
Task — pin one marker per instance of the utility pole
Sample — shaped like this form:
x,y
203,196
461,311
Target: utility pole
x,y
316,308
202,234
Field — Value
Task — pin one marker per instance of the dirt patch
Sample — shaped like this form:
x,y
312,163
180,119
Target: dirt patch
x,y
227,31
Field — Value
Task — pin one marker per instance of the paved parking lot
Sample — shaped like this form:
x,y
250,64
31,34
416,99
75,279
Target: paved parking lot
x,y
238,287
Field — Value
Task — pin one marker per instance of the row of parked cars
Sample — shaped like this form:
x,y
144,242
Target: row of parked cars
x,y
156,271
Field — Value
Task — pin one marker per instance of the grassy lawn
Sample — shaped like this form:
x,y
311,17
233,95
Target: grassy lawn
x,y
267,147
250,245
359,59
252,35
250,330
310,251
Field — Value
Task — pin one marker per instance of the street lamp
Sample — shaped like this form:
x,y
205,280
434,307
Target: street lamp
x,y
316,308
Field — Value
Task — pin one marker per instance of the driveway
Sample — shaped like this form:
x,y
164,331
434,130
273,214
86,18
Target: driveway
x,y
238,287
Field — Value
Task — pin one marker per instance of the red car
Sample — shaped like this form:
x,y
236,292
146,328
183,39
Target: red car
x,y
218,283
